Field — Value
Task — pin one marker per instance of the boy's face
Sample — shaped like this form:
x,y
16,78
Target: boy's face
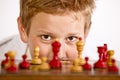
x,y
45,28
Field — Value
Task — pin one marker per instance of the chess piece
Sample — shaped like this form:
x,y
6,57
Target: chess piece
x,y
4,61
12,68
110,57
11,55
44,65
105,55
24,64
80,46
100,63
76,67
36,60
55,63
87,66
113,67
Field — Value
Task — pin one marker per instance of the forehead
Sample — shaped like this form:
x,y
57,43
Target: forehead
x,y
57,23
63,18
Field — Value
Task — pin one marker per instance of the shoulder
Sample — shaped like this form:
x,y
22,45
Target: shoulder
x,y
12,43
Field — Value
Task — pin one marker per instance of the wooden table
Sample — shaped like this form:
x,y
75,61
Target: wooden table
x,y
63,74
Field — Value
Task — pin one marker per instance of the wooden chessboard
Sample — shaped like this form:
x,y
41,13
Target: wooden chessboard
x,y
61,74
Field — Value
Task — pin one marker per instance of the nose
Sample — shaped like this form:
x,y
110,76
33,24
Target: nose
x,y
62,54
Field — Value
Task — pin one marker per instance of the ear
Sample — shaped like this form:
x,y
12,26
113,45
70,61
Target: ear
x,y
86,30
22,31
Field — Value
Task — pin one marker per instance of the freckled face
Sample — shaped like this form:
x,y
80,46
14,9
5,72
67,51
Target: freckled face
x,y
46,27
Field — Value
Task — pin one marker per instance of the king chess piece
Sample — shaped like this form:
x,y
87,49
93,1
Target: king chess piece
x,y
55,63
100,63
24,64
80,46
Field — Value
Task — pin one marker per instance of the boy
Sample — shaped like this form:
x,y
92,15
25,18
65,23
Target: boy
x,y
42,21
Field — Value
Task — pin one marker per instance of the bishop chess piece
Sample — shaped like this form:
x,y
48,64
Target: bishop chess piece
x,y
36,60
100,63
76,67
24,64
4,61
80,46
55,63
87,66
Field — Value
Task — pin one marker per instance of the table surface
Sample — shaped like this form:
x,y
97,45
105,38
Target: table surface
x,y
60,74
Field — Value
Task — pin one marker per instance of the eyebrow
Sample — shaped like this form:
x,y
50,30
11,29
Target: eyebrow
x,y
74,34
69,34
45,32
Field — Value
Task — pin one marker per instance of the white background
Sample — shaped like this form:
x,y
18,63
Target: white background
x,y
105,25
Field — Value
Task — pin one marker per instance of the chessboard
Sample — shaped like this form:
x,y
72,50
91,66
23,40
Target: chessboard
x,y
59,74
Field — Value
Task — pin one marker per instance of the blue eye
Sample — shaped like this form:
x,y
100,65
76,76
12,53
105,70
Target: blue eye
x,y
46,37
72,38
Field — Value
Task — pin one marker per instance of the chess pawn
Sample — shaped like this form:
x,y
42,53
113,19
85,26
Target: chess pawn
x,y
36,60
44,65
12,67
110,57
76,67
11,56
4,61
87,66
113,67
24,64
80,46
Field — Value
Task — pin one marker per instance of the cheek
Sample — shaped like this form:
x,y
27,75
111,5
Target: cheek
x,y
45,49
72,52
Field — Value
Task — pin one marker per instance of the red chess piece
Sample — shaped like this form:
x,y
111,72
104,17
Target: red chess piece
x,y
113,68
4,61
87,66
100,63
105,55
55,63
13,68
24,64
